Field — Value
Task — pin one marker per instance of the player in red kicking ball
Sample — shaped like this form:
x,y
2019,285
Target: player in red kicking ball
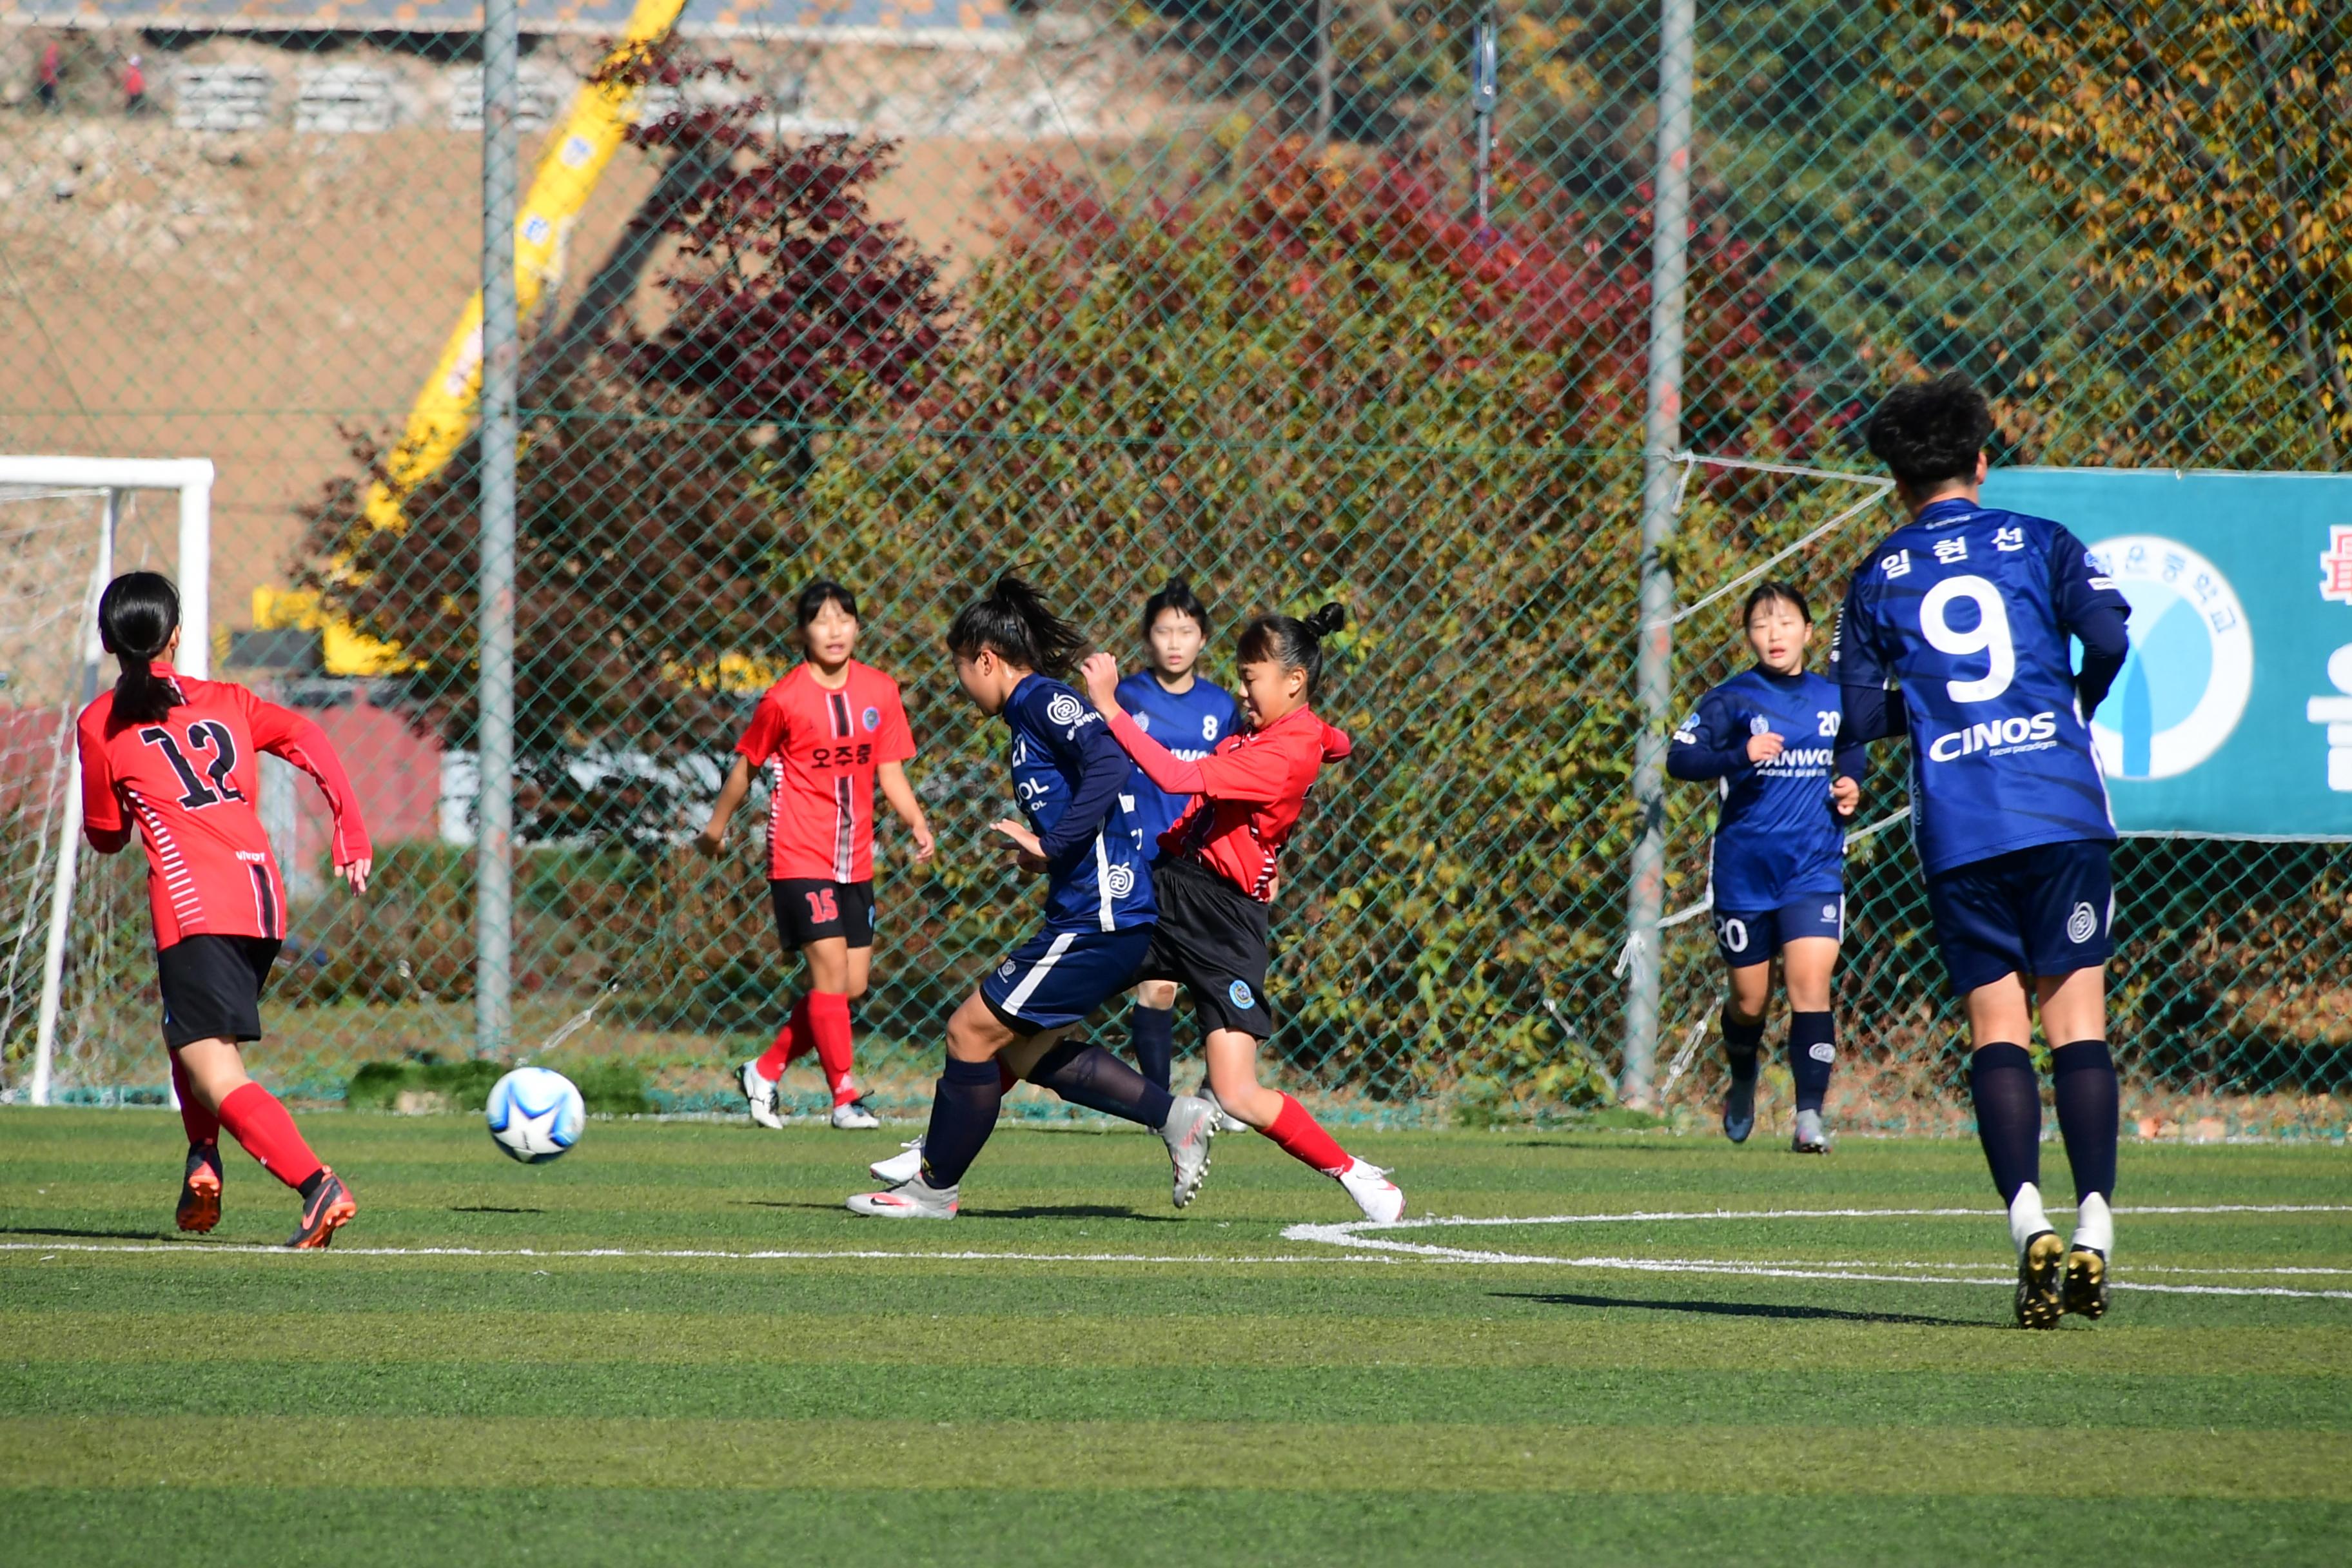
x,y
825,735
177,762
1217,868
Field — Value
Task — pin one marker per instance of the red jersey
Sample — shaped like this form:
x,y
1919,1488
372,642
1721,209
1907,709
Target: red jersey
x,y
1247,794
190,781
819,750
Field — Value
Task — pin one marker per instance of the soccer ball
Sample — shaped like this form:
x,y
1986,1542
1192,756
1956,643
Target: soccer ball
x,y
535,1114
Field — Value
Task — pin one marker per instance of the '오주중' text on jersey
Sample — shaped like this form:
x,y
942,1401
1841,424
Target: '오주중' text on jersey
x,y
1968,612
1190,724
1777,836
1098,881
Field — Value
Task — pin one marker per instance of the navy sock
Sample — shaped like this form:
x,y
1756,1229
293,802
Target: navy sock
x,y
1153,1040
1086,1074
1740,1044
2090,1102
2009,1115
963,1113
1812,1052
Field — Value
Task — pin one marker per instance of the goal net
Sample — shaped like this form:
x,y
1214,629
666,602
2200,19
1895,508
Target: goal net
x,y
72,937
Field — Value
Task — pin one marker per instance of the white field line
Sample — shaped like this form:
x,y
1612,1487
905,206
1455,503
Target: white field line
x,y
818,1255
1358,1234
1360,1244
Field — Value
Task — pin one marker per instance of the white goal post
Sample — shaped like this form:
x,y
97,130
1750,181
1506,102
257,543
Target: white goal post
x,y
191,479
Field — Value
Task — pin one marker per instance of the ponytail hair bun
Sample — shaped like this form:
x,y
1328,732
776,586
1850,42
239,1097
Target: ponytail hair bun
x,y
137,615
1293,643
1014,619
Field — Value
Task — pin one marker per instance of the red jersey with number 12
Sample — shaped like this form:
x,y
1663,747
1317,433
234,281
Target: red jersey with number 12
x,y
819,750
189,781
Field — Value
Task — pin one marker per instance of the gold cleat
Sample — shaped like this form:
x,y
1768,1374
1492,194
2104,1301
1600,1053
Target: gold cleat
x,y
2039,1304
2086,1283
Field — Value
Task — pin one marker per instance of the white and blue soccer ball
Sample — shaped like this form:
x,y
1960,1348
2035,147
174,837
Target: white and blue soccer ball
x,y
535,1114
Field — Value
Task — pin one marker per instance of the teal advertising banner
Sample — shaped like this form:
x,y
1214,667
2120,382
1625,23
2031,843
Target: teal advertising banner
x,y
2233,717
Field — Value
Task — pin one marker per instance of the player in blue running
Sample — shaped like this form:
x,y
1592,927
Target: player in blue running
x,y
1786,785
1171,703
1968,613
1068,775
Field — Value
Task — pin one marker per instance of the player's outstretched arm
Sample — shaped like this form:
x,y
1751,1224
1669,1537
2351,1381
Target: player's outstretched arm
x,y
1103,771
282,732
713,837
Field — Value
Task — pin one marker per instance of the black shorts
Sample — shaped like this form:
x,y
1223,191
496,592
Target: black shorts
x,y
212,987
2039,912
1210,940
809,909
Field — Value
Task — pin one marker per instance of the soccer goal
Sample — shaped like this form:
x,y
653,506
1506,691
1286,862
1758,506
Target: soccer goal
x,y
66,525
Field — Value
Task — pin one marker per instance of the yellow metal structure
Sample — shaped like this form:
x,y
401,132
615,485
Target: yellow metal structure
x,y
568,171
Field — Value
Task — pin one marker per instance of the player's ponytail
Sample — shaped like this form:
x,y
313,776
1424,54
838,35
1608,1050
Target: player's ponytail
x,y
1177,596
1012,618
137,616
1293,643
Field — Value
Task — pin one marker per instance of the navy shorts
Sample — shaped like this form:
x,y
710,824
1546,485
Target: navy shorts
x,y
1746,937
1057,977
2042,912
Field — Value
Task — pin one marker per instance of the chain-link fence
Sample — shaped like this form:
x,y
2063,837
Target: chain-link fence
x,y
1285,297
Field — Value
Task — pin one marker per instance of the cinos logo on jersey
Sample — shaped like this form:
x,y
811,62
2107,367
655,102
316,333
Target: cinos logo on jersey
x,y
1998,737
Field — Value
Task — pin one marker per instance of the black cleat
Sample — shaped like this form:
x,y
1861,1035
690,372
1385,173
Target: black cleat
x,y
200,1189
2038,1271
328,1209
2086,1283
1739,1109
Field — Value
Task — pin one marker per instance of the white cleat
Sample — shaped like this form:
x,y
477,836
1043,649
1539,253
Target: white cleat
x,y
1192,1124
761,1094
916,1199
855,1116
903,1167
1382,1200
1812,1136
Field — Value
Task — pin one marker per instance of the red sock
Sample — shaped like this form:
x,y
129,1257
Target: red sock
x,y
256,1120
1299,1135
203,1126
828,1024
792,1040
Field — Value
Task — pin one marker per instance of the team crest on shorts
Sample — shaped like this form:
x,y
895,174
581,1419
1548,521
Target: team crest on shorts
x,y
1005,970
873,719
1238,993
2083,924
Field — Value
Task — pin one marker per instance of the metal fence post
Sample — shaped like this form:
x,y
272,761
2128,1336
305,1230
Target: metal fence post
x,y
1662,434
494,872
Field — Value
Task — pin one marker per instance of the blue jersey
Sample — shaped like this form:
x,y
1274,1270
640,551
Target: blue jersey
x,y
1968,612
1189,723
1778,836
1070,776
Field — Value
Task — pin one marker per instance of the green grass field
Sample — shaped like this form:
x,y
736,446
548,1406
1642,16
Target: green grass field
x,y
1073,1373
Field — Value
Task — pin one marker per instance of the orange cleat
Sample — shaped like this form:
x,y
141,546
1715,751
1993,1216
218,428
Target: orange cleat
x,y
324,1212
200,1189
